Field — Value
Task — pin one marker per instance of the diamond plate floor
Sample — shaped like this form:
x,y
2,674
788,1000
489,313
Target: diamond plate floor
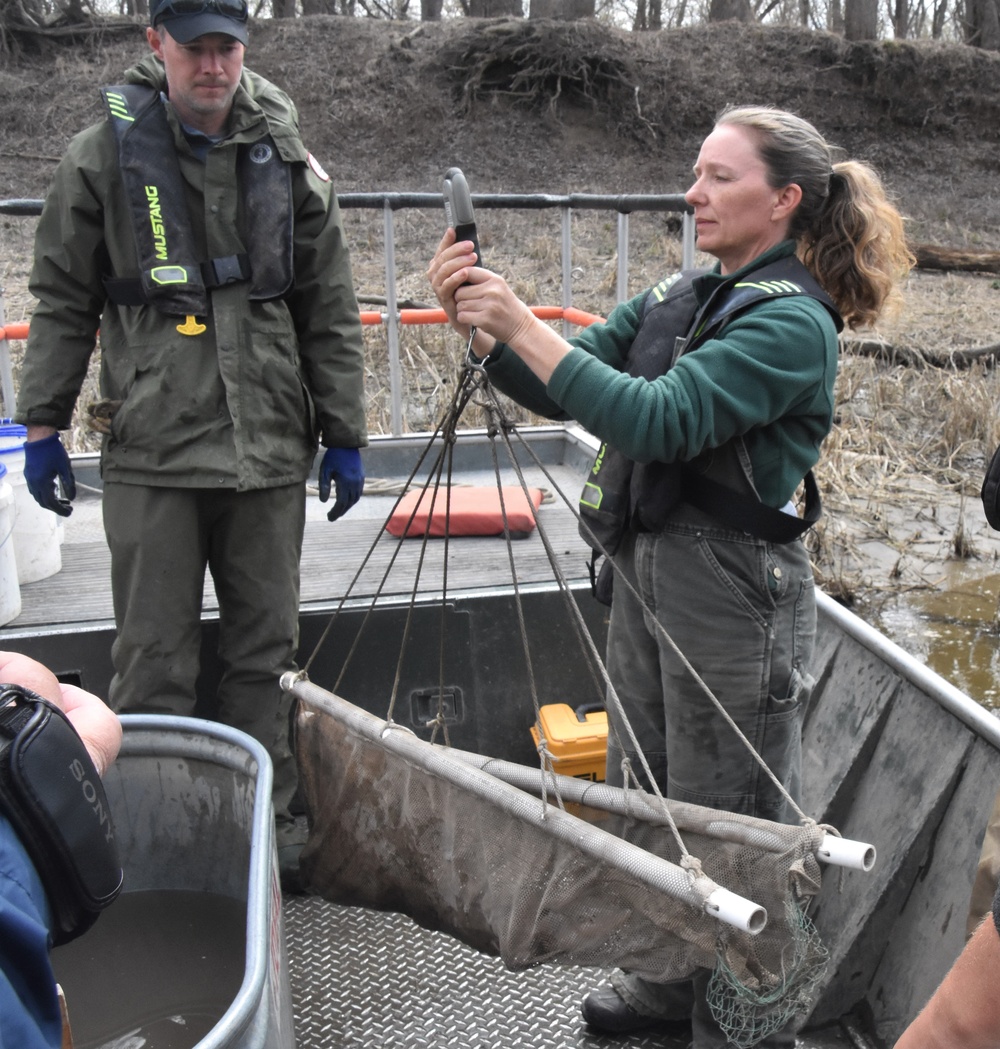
x,y
367,980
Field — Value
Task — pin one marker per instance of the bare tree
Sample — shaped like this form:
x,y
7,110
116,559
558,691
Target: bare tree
x,y
899,17
648,15
860,20
495,8
982,24
938,16
730,10
679,14
561,10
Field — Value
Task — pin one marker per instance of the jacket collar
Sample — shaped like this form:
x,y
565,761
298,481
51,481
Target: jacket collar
x,y
706,283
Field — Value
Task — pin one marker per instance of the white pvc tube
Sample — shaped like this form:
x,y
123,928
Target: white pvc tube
x,y
735,910
841,852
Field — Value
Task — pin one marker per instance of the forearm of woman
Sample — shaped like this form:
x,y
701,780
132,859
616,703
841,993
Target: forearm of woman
x,y
539,346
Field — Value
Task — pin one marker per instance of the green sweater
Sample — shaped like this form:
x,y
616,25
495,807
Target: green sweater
x,y
242,404
768,376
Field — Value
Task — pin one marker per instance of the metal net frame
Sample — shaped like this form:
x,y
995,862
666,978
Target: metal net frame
x,y
537,868
467,845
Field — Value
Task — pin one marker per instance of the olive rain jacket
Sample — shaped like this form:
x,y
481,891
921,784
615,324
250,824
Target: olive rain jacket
x,y
242,404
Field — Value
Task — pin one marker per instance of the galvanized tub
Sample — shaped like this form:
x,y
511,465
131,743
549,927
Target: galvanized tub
x,y
192,954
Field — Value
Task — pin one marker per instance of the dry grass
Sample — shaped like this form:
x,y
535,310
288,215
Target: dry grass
x,y
902,468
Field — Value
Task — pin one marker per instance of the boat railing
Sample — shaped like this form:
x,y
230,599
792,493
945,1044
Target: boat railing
x,y
623,204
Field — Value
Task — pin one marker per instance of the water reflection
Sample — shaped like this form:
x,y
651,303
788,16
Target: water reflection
x,y
952,629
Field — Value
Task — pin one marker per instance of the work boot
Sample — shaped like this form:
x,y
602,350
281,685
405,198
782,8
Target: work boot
x,y
291,838
605,1010
289,871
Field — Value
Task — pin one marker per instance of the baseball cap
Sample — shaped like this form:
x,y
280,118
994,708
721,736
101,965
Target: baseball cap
x,y
185,20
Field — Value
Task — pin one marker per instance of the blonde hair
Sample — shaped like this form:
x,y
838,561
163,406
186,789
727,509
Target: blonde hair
x,y
850,234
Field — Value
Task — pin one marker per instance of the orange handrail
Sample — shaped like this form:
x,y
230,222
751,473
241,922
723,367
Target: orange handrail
x,y
545,313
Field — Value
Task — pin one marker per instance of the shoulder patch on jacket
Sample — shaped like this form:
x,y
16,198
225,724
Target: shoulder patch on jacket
x,y
317,168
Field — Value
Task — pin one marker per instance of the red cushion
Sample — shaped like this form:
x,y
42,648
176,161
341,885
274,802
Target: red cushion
x,y
472,511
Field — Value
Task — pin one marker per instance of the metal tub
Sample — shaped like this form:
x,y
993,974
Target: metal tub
x,y
191,802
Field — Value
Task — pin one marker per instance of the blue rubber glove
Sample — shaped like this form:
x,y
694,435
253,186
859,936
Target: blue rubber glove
x,y
46,462
342,467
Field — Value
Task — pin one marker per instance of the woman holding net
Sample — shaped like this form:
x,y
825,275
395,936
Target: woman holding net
x,y
712,393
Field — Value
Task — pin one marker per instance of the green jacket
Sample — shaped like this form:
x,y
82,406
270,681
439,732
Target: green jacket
x,y
768,376
240,405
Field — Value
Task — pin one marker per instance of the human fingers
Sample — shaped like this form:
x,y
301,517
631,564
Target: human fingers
x,y
447,239
485,301
447,273
449,245
95,723
19,669
449,267
440,253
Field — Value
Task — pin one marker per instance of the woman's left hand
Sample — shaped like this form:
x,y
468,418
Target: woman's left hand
x,y
446,273
474,297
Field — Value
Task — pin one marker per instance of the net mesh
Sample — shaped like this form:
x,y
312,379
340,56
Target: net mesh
x,y
401,825
748,1014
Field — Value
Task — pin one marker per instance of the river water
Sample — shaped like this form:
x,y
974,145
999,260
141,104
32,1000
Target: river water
x,y
953,628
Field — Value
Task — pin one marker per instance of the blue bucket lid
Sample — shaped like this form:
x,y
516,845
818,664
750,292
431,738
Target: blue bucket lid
x,y
3,471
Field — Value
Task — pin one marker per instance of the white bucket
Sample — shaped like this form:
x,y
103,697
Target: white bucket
x,y
12,435
36,530
10,590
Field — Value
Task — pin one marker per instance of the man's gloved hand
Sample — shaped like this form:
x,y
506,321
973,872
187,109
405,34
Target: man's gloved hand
x,y
342,466
46,461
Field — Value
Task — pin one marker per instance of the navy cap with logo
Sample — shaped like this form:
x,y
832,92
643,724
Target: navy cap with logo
x,y
185,20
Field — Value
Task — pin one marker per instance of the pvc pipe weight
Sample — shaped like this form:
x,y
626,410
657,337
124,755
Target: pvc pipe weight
x,y
735,910
842,852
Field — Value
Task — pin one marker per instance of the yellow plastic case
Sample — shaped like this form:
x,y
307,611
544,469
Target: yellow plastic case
x,y
578,748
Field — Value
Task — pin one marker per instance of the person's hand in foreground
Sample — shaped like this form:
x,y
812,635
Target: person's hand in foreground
x,y
964,1012
96,724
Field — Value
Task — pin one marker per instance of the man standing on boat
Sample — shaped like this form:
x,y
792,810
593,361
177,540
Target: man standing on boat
x,y
193,228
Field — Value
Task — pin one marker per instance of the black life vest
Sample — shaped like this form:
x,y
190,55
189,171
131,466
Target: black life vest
x,y
171,278
620,492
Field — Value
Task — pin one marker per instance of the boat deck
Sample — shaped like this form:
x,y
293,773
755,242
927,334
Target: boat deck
x,y
79,595
363,979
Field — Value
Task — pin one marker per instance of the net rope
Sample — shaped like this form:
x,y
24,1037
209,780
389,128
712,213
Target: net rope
x,y
390,831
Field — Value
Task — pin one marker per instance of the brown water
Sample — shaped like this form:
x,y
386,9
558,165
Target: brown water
x,y
157,971
952,629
